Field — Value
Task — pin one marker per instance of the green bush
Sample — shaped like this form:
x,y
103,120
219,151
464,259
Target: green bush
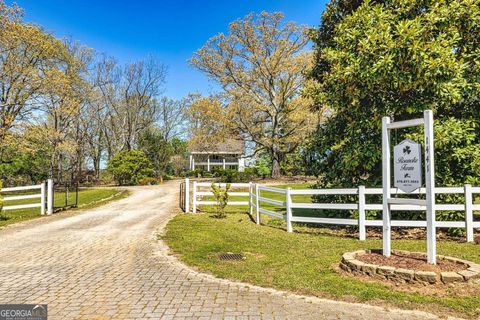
x,y
221,199
194,173
129,167
232,175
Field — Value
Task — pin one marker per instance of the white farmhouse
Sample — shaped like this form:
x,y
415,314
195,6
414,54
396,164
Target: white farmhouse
x,y
227,154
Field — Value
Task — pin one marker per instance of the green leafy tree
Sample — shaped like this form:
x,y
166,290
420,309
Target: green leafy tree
x,y
129,167
179,160
396,58
221,199
157,149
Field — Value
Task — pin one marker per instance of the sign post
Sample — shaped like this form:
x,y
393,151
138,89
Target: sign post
x,y
408,177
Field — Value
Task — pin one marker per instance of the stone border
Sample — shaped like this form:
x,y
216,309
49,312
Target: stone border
x,y
351,264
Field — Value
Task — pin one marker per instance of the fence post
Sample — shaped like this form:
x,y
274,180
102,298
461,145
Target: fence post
x,y
469,212
257,202
250,198
387,223
194,197
288,205
42,200
187,195
49,196
361,212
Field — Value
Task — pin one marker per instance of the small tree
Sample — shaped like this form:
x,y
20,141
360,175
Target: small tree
x,y
221,197
129,167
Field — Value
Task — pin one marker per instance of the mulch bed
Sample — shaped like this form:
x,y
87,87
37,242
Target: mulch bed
x,y
413,263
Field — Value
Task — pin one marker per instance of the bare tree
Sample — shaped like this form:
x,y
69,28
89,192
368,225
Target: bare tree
x,y
129,95
173,116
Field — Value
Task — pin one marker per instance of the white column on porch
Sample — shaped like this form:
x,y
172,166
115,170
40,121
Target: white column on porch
x,y
208,163
224,166
191,162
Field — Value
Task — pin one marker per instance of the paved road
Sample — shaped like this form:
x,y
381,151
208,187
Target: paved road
x,y
106,263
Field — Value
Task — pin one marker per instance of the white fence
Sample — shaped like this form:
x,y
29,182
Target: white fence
x,y
44,196
199,191
254,200
362,206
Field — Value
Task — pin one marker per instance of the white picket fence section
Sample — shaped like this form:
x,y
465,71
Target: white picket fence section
x,y
362,206
44,196
199,191
255,200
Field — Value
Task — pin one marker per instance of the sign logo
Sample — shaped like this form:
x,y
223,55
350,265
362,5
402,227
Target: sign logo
x,y
23,312
407,165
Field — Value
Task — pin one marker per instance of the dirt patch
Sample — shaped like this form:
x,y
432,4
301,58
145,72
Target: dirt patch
x,y
410,262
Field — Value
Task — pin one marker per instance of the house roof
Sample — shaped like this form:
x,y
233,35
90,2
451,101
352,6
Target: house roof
x,y
226,146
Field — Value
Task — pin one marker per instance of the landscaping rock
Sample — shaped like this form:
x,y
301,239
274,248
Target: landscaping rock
x,y
369,268
426,276
405,274
347,257
372,266
474,268
386,270
450,277
356,265
344,267
468,274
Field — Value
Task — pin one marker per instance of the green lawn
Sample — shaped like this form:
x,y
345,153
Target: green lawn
x,y
304,261
87,198
264,205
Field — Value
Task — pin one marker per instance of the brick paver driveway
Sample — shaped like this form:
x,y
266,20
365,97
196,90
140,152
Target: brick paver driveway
x,y
107,263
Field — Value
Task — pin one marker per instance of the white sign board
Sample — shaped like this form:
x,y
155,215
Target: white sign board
x,y
407,165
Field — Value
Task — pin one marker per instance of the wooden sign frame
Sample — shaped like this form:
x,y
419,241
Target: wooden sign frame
x,y
429,202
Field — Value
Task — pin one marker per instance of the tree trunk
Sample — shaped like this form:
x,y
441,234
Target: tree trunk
x,y
275,165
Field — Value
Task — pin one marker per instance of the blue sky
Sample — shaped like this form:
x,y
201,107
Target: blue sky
x,y
169,30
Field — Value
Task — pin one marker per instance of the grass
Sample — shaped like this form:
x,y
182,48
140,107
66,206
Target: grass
x,y
305,261
87,198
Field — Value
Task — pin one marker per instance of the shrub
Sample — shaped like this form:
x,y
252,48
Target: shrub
x,y
221,198
194,173
232,175
129,167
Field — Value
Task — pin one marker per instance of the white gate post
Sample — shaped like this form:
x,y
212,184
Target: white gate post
x,y
288,206
49,196
387,246
250,198
469,212
430,188
187,195
257,202
361,212
194,197
42,200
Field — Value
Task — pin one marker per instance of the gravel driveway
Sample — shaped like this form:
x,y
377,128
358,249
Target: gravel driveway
x,y
106,263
